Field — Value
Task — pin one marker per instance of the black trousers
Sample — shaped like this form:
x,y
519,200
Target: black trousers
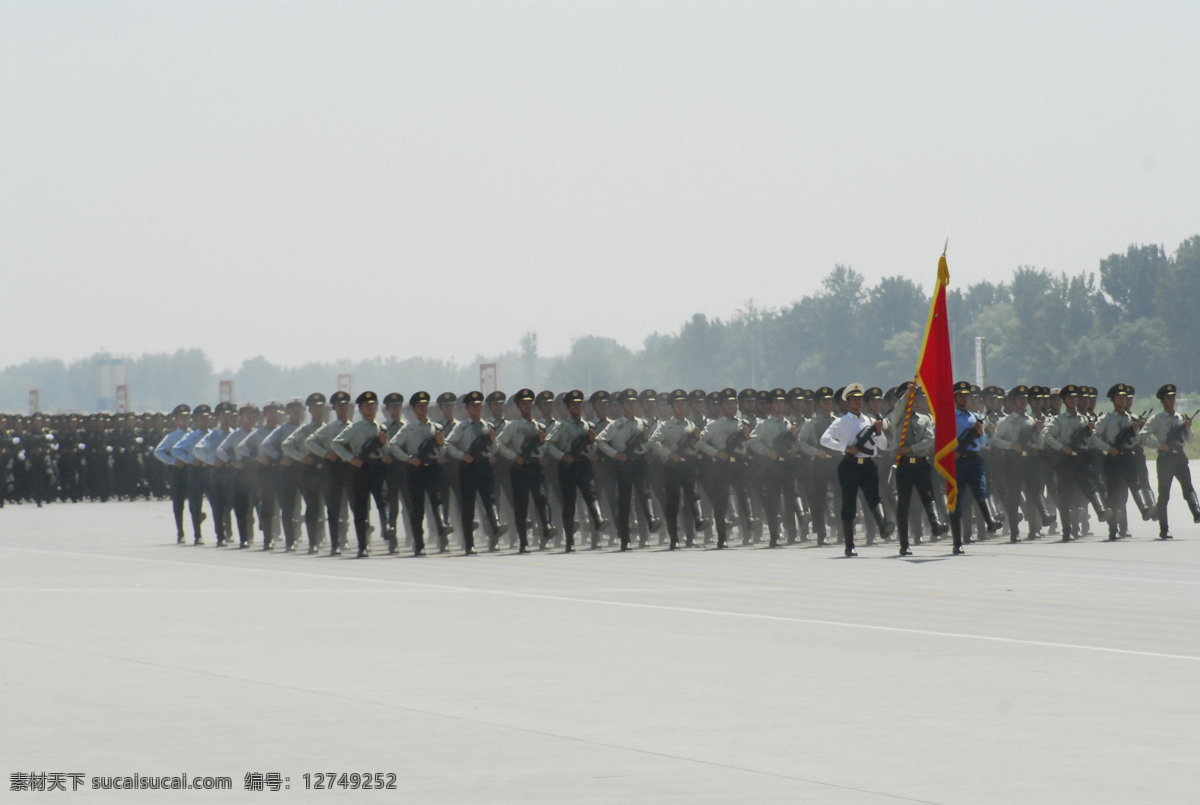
x,y
679,485
528,481
312,489
288,490
367,482
337,483
912,475
576,478
179,496
245,495
424,482
476,481
1120,476
857,474
771,476
822,477
1170,467
631,478
198,478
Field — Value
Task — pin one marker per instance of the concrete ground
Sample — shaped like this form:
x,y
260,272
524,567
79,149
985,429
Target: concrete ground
x,y
1036,672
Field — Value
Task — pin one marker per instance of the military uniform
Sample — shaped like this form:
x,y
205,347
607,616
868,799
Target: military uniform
x,y
1168,432
1069,434
336,473
675,441
571,444
360,447
914,469
857,438
419,444
624,441
472,444
177,472
521,442
307,471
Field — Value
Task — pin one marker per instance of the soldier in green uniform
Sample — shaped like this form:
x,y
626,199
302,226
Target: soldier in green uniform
x,y
1167,432
361,447
472,443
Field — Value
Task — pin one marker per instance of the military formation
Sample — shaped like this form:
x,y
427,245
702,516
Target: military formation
x,y
630,469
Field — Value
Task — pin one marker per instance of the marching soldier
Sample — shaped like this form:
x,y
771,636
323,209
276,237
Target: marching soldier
x,y
857,437
286,475
676,441
420,444
361,447
394,472
822,470
1169,432
307,470
240,475
336,474
1015,446
176,470
1069,434
263,473
571,445
183,457
472,443
1119,436
772,441
721,441
221,478
624,441
914,469
521,442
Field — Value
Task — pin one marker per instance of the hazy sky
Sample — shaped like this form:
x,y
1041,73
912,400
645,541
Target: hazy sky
x,y
309,181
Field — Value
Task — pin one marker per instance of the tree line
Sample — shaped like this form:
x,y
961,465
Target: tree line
x,y
1133,320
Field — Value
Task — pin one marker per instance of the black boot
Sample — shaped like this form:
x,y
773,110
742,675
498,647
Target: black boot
x,y
1102,512
936,528
1144,500
1193,505
598,521
886,528
848,537
1163,530
991,517
902,529
956,535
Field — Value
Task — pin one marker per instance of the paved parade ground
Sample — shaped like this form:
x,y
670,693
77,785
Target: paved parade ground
x,y
1036,672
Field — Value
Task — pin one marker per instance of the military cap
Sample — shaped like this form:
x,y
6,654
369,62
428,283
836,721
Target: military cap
x,y
599,396
852,390
447,398
294,403
420,398
248,408
747,394
201,409
796,393
873,393
1091,391
496,397
1132,391
1167,390
1019,391
1055,392
1119,388
184,408
677,395
901,389
272,406
962,387
573,396
823,393
627,395
394,398
726,394
838,392
697,395
524,395
366,398
316,398
225,408
544,397
648,395
1069,390
472,398
714,398
340,397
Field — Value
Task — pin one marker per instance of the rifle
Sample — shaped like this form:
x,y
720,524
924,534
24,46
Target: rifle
x,y
784,444
633,447
1026,438
579,445
479,445
370,448
1078,442
687,445
1176,434
735,441
864,442
967,438
1127,434
529,450
427,452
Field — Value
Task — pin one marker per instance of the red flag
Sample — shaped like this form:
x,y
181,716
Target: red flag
x,y
935,373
